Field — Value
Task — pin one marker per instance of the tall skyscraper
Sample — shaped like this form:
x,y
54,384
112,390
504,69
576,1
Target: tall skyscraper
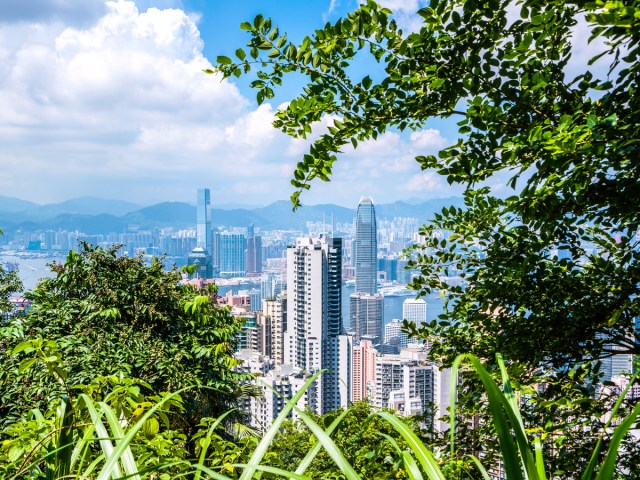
x,y
203,224
313,340
366,247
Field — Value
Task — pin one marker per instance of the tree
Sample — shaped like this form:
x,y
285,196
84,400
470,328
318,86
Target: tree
x,y
552,273
9,283
104,315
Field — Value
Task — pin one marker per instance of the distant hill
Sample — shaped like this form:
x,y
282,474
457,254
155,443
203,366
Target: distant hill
x,y
89,206
12,204
99,216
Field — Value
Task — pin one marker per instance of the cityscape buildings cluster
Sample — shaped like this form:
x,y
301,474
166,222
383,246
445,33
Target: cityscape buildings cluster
x,y
297,330
296,319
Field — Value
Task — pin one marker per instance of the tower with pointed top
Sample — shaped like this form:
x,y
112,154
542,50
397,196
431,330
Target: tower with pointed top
x,y
366,305
366,247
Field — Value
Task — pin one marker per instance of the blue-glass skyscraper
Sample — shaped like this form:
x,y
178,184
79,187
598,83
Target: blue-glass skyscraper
x,y
366,248
203,223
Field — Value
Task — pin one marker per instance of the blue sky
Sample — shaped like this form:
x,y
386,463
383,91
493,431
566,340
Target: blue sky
x,y
108,98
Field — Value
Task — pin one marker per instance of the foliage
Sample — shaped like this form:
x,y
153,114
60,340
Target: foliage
x,y
360,437
104,315
551,273
78,442
9,283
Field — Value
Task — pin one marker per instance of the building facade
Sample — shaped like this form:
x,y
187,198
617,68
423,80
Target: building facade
x,y
203,220
364,371
366,248
366,316
314,315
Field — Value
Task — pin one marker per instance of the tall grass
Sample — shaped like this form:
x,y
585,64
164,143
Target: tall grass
x,y
101,449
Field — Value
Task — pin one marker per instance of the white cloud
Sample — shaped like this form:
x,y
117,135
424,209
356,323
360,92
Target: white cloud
x,y
85,105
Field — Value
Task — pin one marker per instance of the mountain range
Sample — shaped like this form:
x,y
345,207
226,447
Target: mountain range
x,y
93,215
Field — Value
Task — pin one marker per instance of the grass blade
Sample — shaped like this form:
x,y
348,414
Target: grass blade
x,y
306,461
101,433
499,408
608,469
207,441
64,441
411,466
127,460
264,444
424,456
329,446
275,470
537,445
122,445
591,467
482,470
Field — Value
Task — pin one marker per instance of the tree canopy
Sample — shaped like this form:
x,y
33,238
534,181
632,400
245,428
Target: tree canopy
x,y
551,274
104,315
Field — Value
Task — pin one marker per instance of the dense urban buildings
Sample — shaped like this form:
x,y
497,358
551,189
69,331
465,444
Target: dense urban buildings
x,y
288,289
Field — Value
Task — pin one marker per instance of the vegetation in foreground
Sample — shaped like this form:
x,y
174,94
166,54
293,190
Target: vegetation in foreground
x,y
553,270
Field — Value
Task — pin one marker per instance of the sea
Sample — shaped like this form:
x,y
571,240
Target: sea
x,y
31,270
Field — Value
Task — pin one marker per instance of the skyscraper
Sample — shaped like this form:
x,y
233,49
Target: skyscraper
x,y
203,220
366,247
313,339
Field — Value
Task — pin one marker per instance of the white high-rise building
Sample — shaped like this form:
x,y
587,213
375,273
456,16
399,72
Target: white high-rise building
x,y
276,311
409,384
414,310
394,329
278,386
314,317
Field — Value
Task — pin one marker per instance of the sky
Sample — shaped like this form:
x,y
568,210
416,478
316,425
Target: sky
x,y
108,99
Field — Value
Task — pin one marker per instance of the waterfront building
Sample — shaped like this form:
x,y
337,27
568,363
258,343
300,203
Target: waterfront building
x,y
414,310
202,260
253,258
314,317
231,254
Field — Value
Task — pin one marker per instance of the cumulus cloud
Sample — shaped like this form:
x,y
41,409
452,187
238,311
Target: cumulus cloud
x,y
85,105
